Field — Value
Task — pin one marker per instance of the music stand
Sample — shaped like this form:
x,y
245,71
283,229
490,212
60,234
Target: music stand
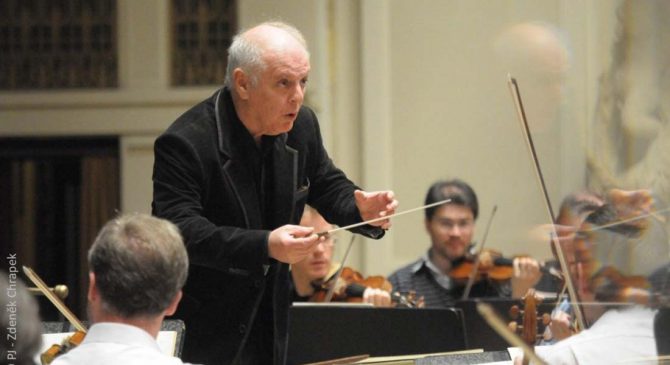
x,y
321,332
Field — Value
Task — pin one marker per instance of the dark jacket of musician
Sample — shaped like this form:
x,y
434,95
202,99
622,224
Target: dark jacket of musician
x,y
226,194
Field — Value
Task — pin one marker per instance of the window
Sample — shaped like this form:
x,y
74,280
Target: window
x,y
201,34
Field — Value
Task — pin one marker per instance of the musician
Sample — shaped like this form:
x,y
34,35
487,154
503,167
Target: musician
x,y
138,265
622,326
573,211
20,322
317,268
234,173
451,228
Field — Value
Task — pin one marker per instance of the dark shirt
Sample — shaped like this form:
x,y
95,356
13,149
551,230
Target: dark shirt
x,y
419,278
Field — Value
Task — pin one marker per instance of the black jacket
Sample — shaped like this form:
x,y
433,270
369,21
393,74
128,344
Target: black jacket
x,y
204,183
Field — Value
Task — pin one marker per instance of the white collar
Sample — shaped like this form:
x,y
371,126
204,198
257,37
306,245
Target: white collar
x,y
120,333
442,279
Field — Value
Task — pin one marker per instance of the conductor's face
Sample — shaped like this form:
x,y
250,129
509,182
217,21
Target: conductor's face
x,y
278,95
451,229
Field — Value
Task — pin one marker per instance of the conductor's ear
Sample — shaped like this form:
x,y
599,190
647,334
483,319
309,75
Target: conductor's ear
x,y
241,83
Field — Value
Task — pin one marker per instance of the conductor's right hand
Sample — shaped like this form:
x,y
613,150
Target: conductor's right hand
x,y
290,244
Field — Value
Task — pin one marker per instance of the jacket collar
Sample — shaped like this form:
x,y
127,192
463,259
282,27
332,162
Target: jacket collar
x,y
223,108
285,162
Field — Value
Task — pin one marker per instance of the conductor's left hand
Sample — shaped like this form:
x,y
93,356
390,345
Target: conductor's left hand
x,y
376,204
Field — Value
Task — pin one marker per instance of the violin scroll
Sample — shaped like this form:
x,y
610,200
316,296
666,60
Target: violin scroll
x,y
529,318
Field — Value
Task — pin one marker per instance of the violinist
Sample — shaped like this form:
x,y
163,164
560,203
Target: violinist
x,y
451,227
605,259
138,265
20,312
312,274
573,211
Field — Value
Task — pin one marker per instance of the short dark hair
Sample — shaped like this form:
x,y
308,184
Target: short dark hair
x,y
140,263
606,215
580,203
457,190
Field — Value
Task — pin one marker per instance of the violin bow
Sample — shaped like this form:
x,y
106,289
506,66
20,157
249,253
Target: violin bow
x,y
475,268
54,299
331,289
521,114
653,214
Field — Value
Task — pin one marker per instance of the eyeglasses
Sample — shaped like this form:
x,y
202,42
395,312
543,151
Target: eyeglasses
x,y
330,241
461,224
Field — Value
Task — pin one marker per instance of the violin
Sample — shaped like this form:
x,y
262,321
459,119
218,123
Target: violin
x,y
69,342
56,350
610,285
530,321
489,264
350,286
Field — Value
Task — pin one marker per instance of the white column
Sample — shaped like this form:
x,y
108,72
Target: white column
x,y
376,127
136,155
143,41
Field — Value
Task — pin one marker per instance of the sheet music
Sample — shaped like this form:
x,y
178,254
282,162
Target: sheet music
x,y
409,359
513,352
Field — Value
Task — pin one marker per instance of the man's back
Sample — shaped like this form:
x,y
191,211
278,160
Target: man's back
x,y
116,343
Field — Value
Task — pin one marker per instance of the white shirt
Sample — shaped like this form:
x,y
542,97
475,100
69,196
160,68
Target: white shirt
x,y
116,343
625,335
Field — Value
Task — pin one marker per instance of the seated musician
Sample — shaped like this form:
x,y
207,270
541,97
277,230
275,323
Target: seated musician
x,y
20,322
451,228
614,262
311,274
138,265
573,211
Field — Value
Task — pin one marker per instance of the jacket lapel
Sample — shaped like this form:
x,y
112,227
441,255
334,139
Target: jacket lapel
x,y
234,171
285,173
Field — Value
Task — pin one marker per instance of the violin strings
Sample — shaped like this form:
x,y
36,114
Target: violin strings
x,y
475,268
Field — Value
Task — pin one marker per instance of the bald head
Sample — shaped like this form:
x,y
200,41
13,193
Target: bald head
x,y
250,49
276,35
538,57
534,47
